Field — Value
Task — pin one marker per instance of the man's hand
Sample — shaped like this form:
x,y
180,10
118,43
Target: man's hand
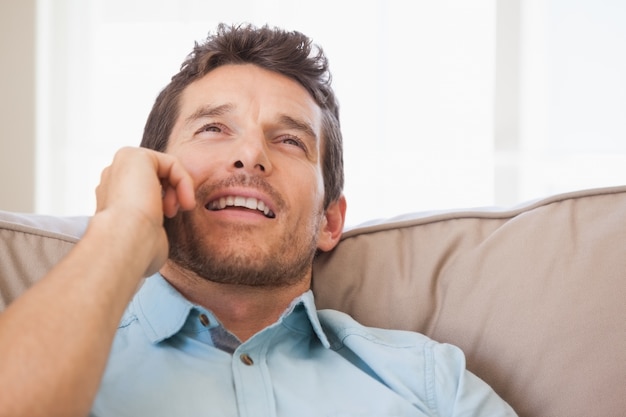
x,y
83,297
139,188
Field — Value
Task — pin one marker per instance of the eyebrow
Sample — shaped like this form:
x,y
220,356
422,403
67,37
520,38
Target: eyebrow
x,y
299,125
209,111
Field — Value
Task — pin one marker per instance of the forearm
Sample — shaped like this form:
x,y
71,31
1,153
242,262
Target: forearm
x,y
55,339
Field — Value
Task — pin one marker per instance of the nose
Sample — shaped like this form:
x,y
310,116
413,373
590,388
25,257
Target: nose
x,y
252,154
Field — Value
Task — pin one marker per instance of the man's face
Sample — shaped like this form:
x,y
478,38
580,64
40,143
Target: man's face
x,y
250,138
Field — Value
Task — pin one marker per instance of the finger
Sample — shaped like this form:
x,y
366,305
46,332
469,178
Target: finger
x,y
101,189
177,184
170,202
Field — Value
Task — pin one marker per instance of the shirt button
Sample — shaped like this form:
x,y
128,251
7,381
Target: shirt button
x,y
204,319
246,359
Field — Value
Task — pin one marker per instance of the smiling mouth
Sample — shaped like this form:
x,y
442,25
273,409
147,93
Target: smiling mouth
x,y
243,202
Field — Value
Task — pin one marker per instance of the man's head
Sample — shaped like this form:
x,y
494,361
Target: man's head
x,y
291,54
252,117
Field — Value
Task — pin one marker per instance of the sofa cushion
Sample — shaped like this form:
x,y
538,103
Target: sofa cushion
x,y
29,246
535,296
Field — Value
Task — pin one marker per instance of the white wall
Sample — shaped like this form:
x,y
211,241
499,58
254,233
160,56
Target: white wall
x,y
452,103
17,105
415,87
573,95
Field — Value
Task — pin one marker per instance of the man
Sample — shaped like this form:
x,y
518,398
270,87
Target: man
x,y
246,168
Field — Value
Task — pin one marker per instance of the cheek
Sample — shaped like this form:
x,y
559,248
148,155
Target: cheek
x,y
316,172
308,186
200,165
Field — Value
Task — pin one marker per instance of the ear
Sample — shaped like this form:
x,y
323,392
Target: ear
x,y
332,225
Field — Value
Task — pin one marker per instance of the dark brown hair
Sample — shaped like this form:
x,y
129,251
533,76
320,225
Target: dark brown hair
x,y
291,54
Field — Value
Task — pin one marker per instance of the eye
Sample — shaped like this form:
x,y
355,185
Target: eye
x,y
211,127
294,141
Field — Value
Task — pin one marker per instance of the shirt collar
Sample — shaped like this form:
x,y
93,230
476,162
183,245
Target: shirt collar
x,y
160,308
162,311
293,316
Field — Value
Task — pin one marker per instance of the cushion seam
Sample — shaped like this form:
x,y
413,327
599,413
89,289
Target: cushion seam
x,y
26,230
478,213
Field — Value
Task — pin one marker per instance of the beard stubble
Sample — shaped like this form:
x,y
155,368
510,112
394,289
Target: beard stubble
x,y
284,261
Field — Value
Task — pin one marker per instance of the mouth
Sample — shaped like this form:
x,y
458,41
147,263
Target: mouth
x,y
235,201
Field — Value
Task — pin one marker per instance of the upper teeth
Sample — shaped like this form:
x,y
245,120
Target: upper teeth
x,y
238,201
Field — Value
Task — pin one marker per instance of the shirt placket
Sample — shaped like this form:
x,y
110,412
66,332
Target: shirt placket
x,y
253,386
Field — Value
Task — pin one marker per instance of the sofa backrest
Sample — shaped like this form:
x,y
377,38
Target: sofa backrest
x,y
534,295
29,246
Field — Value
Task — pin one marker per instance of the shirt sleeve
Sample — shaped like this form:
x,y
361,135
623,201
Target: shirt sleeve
x,y
457,392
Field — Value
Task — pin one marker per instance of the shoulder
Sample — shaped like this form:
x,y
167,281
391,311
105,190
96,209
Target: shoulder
x,y
390,346
413,365
407,362
342,327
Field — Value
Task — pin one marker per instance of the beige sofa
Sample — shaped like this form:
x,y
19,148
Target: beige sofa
x,y
534,295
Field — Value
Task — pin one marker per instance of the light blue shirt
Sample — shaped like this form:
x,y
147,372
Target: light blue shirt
x,y
173,358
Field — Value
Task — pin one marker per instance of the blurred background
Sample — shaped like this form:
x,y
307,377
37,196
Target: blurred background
x,y
445,104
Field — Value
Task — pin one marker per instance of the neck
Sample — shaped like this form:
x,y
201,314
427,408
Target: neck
x,y
243,310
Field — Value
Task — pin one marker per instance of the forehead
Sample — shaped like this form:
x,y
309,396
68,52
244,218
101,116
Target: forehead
x,y
252,91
